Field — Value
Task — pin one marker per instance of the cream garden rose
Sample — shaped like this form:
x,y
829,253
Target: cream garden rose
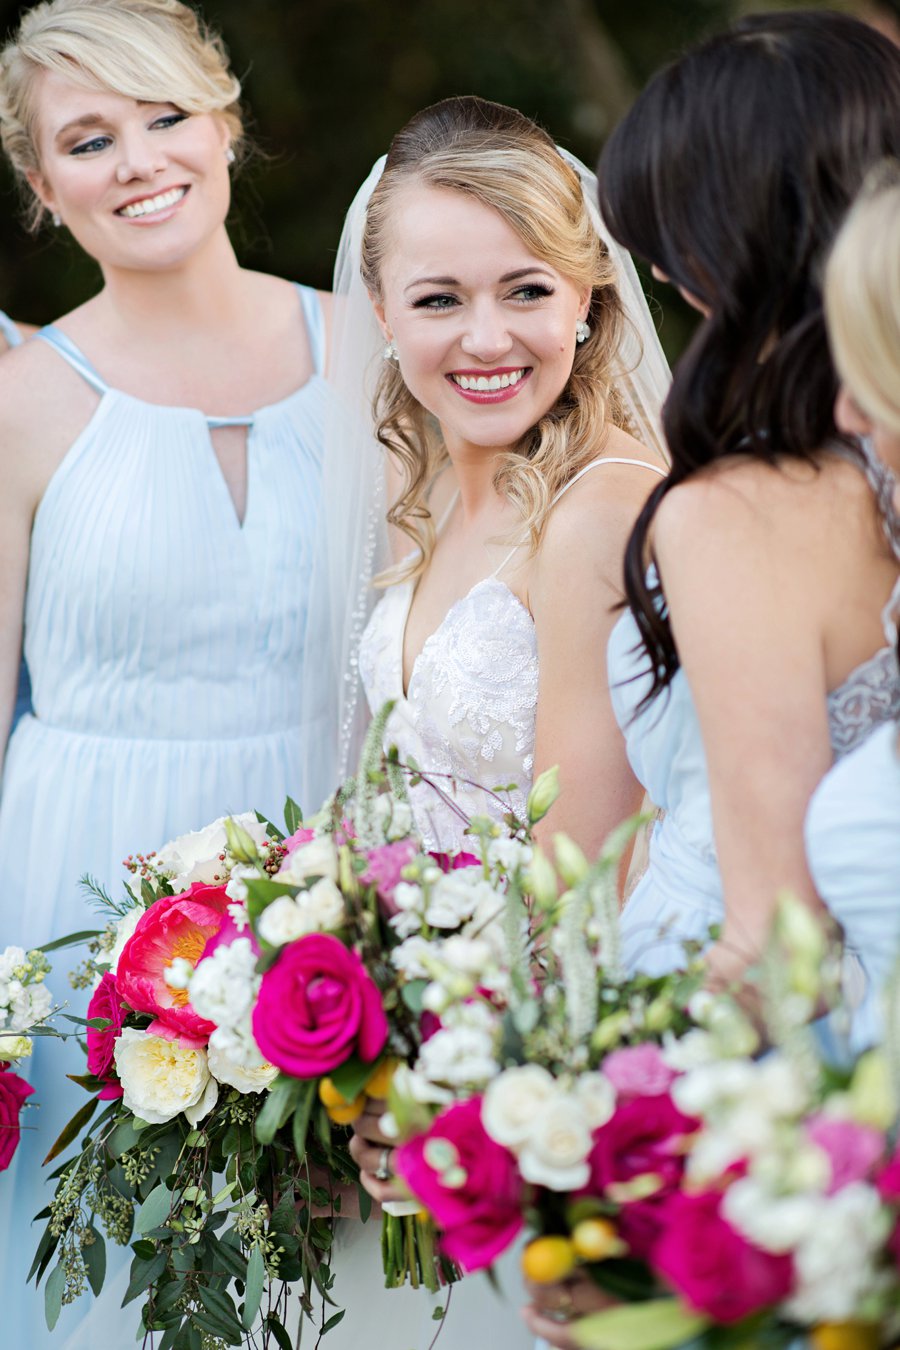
x,y
161,1078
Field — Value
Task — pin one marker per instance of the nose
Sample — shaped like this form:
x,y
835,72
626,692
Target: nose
x,y
487,337
141,157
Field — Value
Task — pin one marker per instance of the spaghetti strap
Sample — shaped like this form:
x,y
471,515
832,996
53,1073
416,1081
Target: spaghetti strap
x,y
315,325
595,463
75,358
10,331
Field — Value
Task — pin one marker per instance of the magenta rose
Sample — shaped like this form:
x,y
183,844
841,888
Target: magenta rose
x,y
317,1006
174,926
712,1266
13,1092
643,1138
101,1044
853,1149
638,1071
468,1183
384,866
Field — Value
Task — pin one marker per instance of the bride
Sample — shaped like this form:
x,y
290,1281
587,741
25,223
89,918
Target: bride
x,y
505,404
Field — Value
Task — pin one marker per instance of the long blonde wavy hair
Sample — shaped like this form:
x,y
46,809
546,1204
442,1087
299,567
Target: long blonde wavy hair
x,y
155,51
503,160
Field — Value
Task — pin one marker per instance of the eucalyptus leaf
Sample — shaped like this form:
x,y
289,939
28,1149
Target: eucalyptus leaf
x,y
660,1324
155,1209
275,1327
333,1321
143,1273
95,1260
254,1285
53,1295
71,1130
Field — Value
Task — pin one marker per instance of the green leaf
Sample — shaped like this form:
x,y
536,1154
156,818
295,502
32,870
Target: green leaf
x,y
42,1257
351,1077
271,829
53,1295
411,994
230,1257
155,1209
278,1331
123,1137
300,1123
293,816
365,1203
72,940
71,1130
221,1315
255,1283
332,1321
660,1324
143,1274
95,1261
283,1097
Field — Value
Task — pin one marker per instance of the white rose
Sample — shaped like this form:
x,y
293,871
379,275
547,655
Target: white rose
x,y
598,1097
318,858
323,906
195,857
559,1141
161,1078
512,1101
234,1070
223,986
282,921
124,931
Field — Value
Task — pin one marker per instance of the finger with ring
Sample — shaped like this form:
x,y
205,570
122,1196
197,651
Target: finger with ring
x,y
383,1171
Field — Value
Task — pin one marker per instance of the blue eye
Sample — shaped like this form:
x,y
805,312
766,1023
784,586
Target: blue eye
x,y
436,302
171,120
91,146
526,295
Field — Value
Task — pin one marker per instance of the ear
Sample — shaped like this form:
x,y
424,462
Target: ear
x,y
584,303
41,189
378,308
849,416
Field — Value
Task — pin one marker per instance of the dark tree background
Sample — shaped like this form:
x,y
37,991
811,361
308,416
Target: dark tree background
x,y
327,82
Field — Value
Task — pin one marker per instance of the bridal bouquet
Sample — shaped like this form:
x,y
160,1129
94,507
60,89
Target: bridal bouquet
x,y
359,932
721,1198
181,1158
25,1006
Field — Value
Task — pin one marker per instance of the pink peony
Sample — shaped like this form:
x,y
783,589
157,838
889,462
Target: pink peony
x,y
13,1092
317,1006
175,926
383,871
643,1138
852,1149
101,1045
638,1071
468,1183
713,1267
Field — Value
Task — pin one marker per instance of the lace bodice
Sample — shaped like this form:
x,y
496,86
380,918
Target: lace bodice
x,y
469,713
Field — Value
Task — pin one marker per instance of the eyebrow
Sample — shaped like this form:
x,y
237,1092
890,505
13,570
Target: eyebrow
x,y
453,281
90,120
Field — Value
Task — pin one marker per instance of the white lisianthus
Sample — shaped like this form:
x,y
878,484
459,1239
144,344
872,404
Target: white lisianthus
x,y
317,858
223,986
559,1142
227,1065
597,1096
14,1047
161,1078
835,1265
196,856
124,932
512,1101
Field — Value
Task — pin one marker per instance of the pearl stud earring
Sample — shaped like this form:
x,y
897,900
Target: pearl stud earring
x,y
582,331
390,351
57,219
229,155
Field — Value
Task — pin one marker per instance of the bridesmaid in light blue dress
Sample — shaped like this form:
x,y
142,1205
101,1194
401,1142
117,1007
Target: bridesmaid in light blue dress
x,y
752,653
162,473
853,825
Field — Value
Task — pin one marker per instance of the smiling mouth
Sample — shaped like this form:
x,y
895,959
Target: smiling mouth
x,y
484,384
151,206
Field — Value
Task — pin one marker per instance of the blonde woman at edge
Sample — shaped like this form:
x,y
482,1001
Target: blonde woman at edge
x,y
160,454
501,406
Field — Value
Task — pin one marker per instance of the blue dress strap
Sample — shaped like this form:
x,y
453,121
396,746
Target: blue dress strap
x,y
75,358
315,325
10,331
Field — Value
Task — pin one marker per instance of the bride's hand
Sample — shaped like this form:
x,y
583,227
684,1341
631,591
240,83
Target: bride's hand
x,y
372,1152
554,1307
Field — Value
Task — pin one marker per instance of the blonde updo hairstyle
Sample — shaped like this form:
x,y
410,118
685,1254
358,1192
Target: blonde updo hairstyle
x,y
500,158
862,298
155,51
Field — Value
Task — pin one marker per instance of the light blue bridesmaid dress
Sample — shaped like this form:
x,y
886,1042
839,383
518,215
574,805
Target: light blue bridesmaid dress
x,y
23,693
680,894
165,640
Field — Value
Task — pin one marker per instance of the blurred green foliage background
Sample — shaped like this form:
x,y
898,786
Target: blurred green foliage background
x,y
327,83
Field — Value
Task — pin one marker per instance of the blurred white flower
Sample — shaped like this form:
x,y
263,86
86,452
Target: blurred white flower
x,y
196,857
281,921
230,1064
558,1144
835,1264
776,1223
318,858
124,931
511,1102
598,1097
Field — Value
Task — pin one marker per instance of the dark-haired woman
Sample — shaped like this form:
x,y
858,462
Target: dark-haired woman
x,y
753,652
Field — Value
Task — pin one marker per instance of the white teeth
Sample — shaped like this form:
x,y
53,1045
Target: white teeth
x,y
151,204
485,384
